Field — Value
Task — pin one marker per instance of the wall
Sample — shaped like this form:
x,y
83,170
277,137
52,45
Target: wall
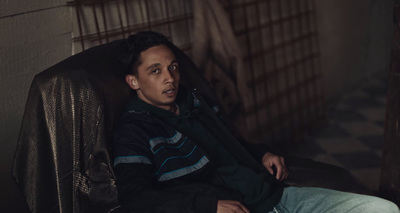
x,y
35,34
355,39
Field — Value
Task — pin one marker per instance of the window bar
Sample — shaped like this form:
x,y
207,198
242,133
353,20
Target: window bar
x,y
319,110
147,15
298,72
96,23
77,5
265,77
186,13
265,83
248,42
186,21
120,19
127,17
229,9
142,23
298,85
312,99
168,19
104,20
274,74
304,73
285,70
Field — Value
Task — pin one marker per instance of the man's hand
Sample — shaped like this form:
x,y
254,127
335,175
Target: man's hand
x,y
231,206
271,161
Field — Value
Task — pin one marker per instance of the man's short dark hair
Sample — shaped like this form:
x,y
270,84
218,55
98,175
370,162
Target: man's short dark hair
x,y
141,41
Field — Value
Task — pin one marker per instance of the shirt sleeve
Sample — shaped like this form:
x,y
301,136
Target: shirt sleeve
x,y
257,150
137,193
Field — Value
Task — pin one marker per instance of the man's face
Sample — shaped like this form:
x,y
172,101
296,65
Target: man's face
x,y
157,78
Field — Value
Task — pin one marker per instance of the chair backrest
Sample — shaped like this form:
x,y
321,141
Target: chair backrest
x,y
63,158
63,161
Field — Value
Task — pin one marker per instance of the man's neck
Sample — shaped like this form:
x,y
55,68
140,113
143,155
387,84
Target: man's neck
x,y
174,108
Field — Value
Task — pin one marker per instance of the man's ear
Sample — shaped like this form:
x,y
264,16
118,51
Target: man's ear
x,y
132,81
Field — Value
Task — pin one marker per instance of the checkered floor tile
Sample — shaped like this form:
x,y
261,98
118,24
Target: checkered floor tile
x,y
353,136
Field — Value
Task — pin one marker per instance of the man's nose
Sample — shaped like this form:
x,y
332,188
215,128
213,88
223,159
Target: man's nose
x,y
169,76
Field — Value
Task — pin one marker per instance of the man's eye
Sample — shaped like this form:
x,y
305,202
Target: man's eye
x,y
173,67
156,71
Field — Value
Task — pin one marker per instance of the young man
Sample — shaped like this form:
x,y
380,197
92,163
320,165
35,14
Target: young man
x,y
174,154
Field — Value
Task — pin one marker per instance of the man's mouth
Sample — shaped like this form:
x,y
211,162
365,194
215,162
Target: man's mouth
x,y
171,91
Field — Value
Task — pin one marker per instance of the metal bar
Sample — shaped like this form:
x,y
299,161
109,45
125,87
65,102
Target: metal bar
x,y
162,9
141,11
243,4
77,7
277,46
187,24
148,15
267,97
127,16
168,18
285,72
311,89
319,110
293,64
292,89
303,73
273,122
103,12
273,22
125,29
297,14
309,111
136,27
249,50
120,19
96,23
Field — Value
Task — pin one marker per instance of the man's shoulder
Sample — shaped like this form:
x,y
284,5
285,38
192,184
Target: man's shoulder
x,y
137,118
143,123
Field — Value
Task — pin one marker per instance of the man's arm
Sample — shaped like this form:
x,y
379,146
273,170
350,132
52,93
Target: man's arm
x,y
261,152
137,193
275,165
231,206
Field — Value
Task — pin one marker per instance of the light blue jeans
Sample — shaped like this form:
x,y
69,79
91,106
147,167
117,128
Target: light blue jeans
x,y
319,200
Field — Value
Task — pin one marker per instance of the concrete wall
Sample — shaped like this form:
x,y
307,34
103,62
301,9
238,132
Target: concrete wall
x,y
355,41
35,34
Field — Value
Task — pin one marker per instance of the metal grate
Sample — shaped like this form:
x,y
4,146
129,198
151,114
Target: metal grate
x,y
281,55
280,52
102,21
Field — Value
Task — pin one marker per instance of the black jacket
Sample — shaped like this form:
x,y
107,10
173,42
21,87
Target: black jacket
x,y
159,169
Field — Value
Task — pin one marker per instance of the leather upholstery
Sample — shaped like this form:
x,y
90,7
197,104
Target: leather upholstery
x,y
63,161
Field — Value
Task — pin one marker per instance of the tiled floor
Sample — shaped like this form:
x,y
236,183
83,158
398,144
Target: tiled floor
x,y
353,136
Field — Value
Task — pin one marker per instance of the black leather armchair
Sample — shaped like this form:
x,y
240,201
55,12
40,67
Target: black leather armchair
x,y
63,161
